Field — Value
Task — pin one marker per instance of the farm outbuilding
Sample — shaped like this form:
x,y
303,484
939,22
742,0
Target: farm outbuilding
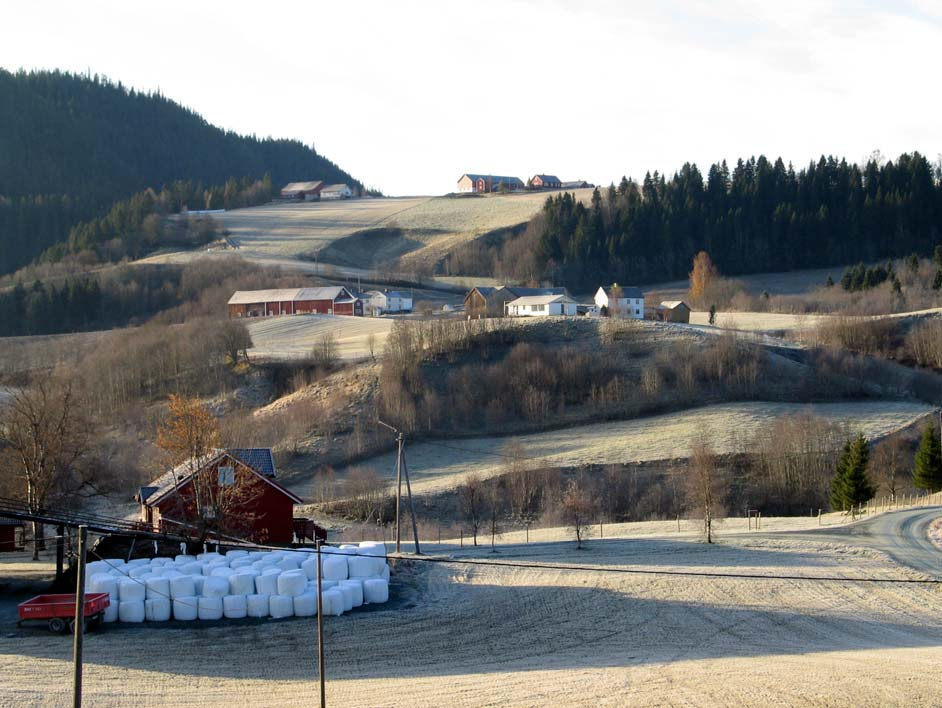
x,y
380,301
672,311
475,183
232,490
542,306
545,182
336,191
486,301
8,532
333,300
302,191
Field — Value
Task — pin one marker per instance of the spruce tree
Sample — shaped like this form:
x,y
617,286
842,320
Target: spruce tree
x,y
937,281
927,473
851,485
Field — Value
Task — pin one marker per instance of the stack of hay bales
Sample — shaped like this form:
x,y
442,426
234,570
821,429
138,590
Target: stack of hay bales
x,y
212,586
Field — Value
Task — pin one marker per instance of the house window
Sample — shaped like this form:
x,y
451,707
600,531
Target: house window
x,y
539,308
226,476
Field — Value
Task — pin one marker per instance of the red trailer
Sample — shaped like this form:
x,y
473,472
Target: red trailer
x,y
59,610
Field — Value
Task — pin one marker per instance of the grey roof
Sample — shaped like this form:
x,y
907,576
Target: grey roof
x,y
529,292
334,188
539,300
251,297
494,178
295,187
397,293
671,304
547,178
626,291
576,184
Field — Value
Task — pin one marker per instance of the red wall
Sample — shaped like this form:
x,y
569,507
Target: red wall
x,y
7,538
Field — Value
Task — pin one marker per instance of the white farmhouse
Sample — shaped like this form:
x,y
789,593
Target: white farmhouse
x,y
541,306
336,191
378,301
622,302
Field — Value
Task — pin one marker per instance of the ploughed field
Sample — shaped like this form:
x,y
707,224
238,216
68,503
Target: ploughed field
x,y
439,465
454,634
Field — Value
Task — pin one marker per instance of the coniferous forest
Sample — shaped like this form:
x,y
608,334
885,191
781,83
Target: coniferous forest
x,y
72,146
763,216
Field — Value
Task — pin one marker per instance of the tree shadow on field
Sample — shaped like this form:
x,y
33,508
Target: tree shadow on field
x,y
470,628
641,552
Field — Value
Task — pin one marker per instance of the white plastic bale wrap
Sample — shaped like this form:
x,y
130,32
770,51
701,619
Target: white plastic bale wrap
x,y
157,609
198,582
255,555
292,583
348,546
234,606
372,548
103,582
261,565
138,561
375,590
111,612
157,588
184,608
272,570
96,567
192,568
363,566
210,608
132,611
309,567
348,595
288,564
136,571
208,557
257,605
385,573
305,605
334,567
222,572
241,563
236,554
215,587
332,602
242,583
182,586
131,590
171,573
356,588
183,559
266,584
281,606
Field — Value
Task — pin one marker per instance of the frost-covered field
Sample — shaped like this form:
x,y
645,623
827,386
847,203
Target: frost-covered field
x,y
293,337
491,636
731,426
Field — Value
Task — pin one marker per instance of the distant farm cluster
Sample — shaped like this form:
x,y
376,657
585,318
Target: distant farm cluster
x,y
479,183
314,191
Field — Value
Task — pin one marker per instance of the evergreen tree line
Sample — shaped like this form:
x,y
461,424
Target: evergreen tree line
x,y
73,145
852,485
761,216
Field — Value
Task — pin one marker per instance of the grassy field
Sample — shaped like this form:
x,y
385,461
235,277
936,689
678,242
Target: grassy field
x,y
441,465
496,636
286,338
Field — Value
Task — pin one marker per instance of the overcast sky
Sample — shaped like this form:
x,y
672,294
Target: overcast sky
x,y
407,96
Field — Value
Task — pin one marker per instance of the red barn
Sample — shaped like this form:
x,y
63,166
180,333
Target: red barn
x,y
335,300
232,492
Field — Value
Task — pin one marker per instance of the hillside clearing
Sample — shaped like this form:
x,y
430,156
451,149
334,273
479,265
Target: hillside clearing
x,y
294,337
543,637
436,466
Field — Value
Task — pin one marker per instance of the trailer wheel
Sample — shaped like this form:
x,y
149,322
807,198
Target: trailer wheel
x,y
57,625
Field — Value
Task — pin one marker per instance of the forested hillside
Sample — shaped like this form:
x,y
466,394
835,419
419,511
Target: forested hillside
x,y
762,216
71,146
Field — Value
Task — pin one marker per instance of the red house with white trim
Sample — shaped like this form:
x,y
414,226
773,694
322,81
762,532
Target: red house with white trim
x,y
232,492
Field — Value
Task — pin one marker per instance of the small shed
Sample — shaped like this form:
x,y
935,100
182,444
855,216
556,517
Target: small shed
x,y
672,311
8,529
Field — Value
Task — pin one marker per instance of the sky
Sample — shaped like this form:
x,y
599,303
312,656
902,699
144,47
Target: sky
x,y
408,95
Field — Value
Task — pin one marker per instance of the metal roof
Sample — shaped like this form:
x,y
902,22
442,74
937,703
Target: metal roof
x,y
671,304
251,297
547,178
334,188
295,187
331,292
259,458
493,178
526,292
539,300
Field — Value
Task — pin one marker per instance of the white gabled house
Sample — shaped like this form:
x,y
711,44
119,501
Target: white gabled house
x,y
541,306
378,301
619,301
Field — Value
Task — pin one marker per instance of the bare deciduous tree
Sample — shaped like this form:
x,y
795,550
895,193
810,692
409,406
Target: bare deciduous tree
x,y
578,507
471,498
891,461
706,487
235,339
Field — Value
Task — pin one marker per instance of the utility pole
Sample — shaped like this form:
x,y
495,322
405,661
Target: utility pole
x,y
79,624
402,469
320,629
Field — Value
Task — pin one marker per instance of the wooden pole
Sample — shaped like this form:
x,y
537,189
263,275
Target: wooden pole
x,y
398,489
79,625
60,552
415,527
320,629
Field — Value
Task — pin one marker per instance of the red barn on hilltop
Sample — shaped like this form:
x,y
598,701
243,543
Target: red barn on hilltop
x,y
336,300
230,492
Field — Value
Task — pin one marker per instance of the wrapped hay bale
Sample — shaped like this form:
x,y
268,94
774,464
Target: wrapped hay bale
x,y
285,564
292,583
332,602
209,608
334,567
375,590
171,573
257,605
237,553
156,588
266,584
131,590
157,609
198,582
385,572
136,571
347,592
181,559
193,568
185,609
242,584
222,572
309,566
215,587
280,606
208,557
234,606
111,613
138,561
372,548
363,566
132,611
95,567
182,586
356,590
239,563
305,605
103,582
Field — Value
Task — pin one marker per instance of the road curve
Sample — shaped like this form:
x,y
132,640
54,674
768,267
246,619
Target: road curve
x,y
902,535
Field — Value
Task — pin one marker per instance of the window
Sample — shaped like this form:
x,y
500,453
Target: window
x,y
637,312
539,308
226,476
